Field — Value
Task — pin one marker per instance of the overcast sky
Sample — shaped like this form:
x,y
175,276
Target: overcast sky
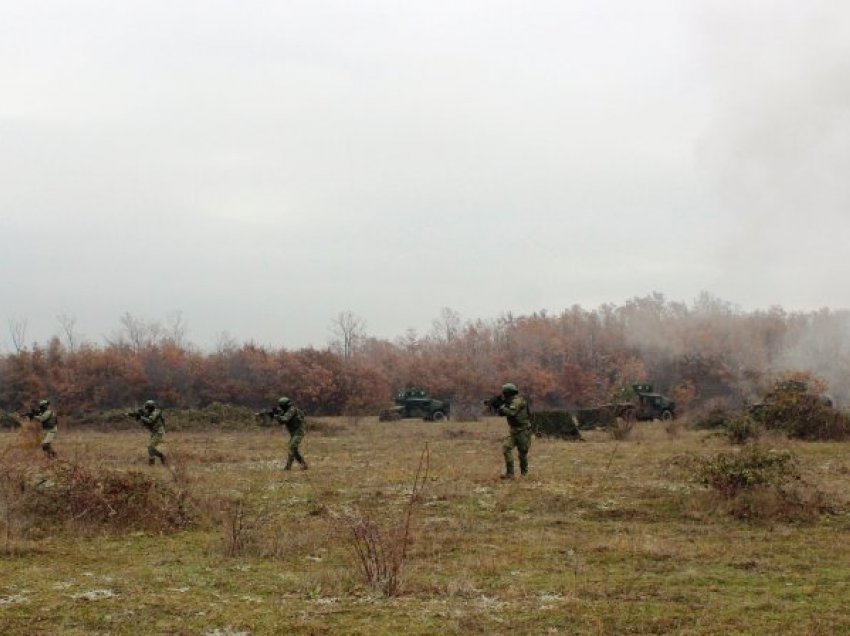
x,y
262,166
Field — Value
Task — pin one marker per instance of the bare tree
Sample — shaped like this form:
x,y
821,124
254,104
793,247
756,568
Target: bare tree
x,y
349,332
175,329
410,341
225,343
18,332
136,333
68,325
446,328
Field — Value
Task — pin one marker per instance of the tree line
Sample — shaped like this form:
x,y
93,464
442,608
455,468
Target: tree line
x,y
697,353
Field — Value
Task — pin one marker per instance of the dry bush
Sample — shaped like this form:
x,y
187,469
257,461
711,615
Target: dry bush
x,y
381,550
712,416
38,495
673,428
793,501
9,421
241,526
79,495
742,429
460,433
323,428
16,461
757,484
622,428
465,412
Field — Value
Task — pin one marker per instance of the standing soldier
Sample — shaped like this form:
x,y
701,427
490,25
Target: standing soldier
x,y
151,417
515,408
289,415
49,425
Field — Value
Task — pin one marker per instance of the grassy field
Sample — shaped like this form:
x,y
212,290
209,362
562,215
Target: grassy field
x,y
603,537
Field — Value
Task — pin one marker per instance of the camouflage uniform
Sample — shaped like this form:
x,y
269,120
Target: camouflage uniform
x,y
154,421
49,425
516,410
291,416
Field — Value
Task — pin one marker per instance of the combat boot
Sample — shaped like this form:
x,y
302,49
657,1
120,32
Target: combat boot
x,y
288,465
151,461
304,465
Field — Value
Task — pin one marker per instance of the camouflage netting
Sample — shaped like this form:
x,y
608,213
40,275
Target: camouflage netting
x,y
589,418
560,424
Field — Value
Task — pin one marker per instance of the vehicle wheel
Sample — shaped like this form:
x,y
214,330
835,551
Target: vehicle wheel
x,y
438,416
666,416
630,416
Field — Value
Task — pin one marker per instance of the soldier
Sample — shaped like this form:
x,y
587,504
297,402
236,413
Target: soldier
x,y
515,408
151,417
49,426
289,415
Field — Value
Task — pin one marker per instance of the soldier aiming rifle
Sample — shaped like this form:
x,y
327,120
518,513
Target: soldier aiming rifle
x,y
151,417
286,413
515,408
49,425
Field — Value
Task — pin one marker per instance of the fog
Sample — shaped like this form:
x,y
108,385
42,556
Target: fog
x,y
259,167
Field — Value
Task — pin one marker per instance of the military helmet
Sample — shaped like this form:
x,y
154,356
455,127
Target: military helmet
x,y
509,387
44,404
284,402
150,405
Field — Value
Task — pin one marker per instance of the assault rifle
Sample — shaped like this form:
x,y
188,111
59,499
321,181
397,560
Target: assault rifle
x,y
267,413
495,402
31,413
137,415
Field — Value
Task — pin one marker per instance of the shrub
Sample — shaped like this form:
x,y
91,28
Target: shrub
x,y
673,428
622,428
240,526
791,408
466,412
325,428
713,418
381,553
44,495
755,483
8,420
730,473
742,429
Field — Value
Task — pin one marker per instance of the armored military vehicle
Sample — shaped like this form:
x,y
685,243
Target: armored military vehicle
x,y
649,405
416,403
646,405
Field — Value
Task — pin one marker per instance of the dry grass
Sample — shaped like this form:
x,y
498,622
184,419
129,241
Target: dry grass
x,y
602,538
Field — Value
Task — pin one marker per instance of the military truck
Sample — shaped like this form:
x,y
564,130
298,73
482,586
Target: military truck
x,y
646,405
649,405
416,403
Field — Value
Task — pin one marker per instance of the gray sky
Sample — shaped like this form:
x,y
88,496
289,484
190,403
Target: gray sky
x,y
262,166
